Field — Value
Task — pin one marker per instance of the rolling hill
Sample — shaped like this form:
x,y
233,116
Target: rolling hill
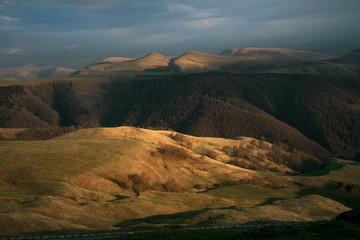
x,y
196,61
247,60
110,178
151,62
159,141
352,57
9,81
30,72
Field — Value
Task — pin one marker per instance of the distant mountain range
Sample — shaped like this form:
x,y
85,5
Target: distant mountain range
x,y
242,60
274,53
30,72
352,57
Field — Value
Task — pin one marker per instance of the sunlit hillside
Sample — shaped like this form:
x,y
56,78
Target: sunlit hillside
x,y
98,178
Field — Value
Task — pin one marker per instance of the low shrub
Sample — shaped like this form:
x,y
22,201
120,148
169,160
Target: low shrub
x,y
43,133
140,182
174,152
173,185
211,154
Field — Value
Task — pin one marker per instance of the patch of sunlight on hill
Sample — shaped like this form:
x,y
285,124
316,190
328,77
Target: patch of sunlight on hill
x,y
57,158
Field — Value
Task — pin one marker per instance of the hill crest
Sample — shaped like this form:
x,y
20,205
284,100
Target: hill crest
x,y
352,57
29,72
274,53
150,62
243,60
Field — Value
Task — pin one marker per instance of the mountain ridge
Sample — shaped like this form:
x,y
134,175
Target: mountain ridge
x,y
244,60
275,53
352,57
29,72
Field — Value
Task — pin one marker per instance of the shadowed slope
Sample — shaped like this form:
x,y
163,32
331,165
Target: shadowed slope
x,y
321,108
352,57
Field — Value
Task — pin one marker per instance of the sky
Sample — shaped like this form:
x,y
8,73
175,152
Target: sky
x,y
75,33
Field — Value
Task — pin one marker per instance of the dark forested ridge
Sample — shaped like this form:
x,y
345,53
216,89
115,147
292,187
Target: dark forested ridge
x,y
307,112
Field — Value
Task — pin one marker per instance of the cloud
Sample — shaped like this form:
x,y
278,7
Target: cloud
x,y
70,47
8,19
91,4
130,27
3,2
205,22
13,51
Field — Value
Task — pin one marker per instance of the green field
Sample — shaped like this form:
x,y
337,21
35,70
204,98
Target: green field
x,y
339,170
251,192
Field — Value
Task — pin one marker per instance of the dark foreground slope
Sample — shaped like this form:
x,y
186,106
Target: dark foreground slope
x,y
339,228
302,111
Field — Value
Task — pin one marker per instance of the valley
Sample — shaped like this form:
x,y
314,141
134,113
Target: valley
x,y
180,120
250,136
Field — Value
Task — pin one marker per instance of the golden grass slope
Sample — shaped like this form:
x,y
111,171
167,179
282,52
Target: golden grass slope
x,y
151,61
244,60
190,61
308,208
77,179
196,61
96,178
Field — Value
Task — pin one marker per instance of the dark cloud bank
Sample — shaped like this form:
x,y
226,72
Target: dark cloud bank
x,y
75,33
